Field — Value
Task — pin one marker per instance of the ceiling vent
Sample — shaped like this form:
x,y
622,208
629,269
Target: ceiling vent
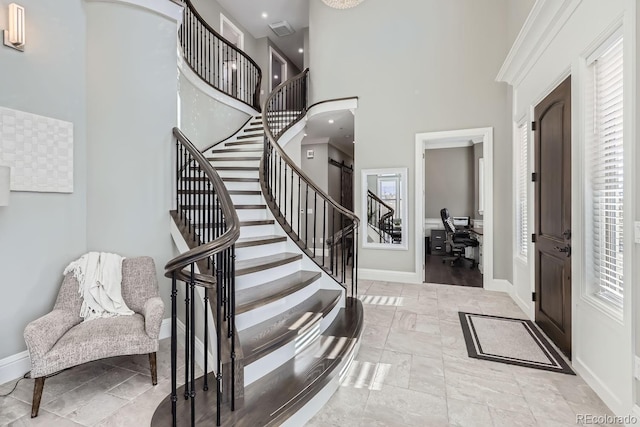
x,y
282,28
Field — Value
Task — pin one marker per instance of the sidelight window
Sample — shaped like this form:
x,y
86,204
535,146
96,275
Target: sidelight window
x,y
605,171
521,208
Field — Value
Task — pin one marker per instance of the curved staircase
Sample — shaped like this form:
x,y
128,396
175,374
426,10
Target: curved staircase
x,y
267,259
296,328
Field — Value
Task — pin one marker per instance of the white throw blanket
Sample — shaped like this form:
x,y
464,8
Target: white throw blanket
x,y
100,277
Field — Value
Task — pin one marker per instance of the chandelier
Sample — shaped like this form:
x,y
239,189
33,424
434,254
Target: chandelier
x,y
342,4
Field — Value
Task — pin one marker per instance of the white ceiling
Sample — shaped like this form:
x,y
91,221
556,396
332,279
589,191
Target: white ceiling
x,y
296,12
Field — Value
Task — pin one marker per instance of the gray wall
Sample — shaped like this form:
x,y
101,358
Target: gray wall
x,y
477,154
131,111
40,233
203,119
449,181
436,73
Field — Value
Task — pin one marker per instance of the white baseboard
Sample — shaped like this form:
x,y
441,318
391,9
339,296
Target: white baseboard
x,y
499,285
165,329
389,276
14,366
526,308
604,392
199,347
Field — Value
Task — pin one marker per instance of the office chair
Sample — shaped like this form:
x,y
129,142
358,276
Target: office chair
x,y
458,240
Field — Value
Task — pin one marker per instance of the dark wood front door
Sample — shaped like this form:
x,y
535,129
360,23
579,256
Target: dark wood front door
x,y
553,215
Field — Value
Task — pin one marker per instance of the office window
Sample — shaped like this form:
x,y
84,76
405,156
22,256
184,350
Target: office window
x,y
521,207
605,179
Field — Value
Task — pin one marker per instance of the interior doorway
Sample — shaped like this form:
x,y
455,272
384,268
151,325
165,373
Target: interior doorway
x,y
231,58
552,118
277,69
480,230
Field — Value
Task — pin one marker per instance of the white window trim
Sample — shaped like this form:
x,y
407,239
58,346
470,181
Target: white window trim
x,y
580,72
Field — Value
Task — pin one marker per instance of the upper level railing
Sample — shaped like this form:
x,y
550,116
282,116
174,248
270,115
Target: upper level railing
x,y
217,61
380,217
325,230
210,226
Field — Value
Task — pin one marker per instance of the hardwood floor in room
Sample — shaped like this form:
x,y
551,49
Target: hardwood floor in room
x,y
443,273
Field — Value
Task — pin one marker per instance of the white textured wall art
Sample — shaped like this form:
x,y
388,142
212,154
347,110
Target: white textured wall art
x,y
39,151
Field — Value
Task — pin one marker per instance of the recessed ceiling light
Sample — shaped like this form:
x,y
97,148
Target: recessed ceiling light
x,y
331,121
275,77
305,134
265,15
301,50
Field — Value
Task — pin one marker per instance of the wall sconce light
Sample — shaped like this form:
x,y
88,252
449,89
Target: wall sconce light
x,y
15,36
5,185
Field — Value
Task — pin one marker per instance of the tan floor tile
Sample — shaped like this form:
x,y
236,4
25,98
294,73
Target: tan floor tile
x,y
465,414
44,419
11,409
98,408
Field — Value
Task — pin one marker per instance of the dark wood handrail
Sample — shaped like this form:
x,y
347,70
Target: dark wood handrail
x,y
199,54
379,200
232,222
210,29
269,134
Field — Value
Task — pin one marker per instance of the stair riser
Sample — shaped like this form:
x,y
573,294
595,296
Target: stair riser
x,y
237,174
251,163
252,214
275,359
257,230
253,317
241,199
252,186
226,154
260,277
260,250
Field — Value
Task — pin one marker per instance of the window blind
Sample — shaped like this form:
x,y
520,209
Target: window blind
x,y
521,216
606,170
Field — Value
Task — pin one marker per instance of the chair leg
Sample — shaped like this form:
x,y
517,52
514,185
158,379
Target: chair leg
x,y
38,386
154,368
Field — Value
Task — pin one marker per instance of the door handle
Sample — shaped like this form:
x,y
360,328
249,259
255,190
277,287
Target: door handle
x,y
566,249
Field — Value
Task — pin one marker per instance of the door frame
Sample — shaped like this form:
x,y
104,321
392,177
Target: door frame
x,y
432,140
285,67
224,20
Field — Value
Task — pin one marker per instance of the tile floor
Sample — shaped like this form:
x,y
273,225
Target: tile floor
x,y
429,379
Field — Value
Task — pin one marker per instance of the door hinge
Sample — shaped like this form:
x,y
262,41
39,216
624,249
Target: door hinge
x,y
534,177
533,296
533,126
533,238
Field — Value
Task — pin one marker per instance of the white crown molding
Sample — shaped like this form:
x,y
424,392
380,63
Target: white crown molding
x,y
168,9
542,25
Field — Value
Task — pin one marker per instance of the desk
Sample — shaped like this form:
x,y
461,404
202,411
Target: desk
x,y
477,233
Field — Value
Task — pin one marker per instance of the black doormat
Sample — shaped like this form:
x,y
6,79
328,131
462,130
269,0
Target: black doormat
x,y
512,341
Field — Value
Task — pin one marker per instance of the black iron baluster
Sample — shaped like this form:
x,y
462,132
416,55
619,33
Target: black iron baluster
x,y
284,176
324,229
233,324
299,234
192,394
174,347
306,217
186,343
205,387
315,220
218,338
291,206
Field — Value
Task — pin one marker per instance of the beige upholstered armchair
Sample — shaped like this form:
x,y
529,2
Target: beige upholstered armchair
x,y
60,339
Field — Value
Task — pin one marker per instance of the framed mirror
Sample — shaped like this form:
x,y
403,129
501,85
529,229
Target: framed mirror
x,y
384,204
